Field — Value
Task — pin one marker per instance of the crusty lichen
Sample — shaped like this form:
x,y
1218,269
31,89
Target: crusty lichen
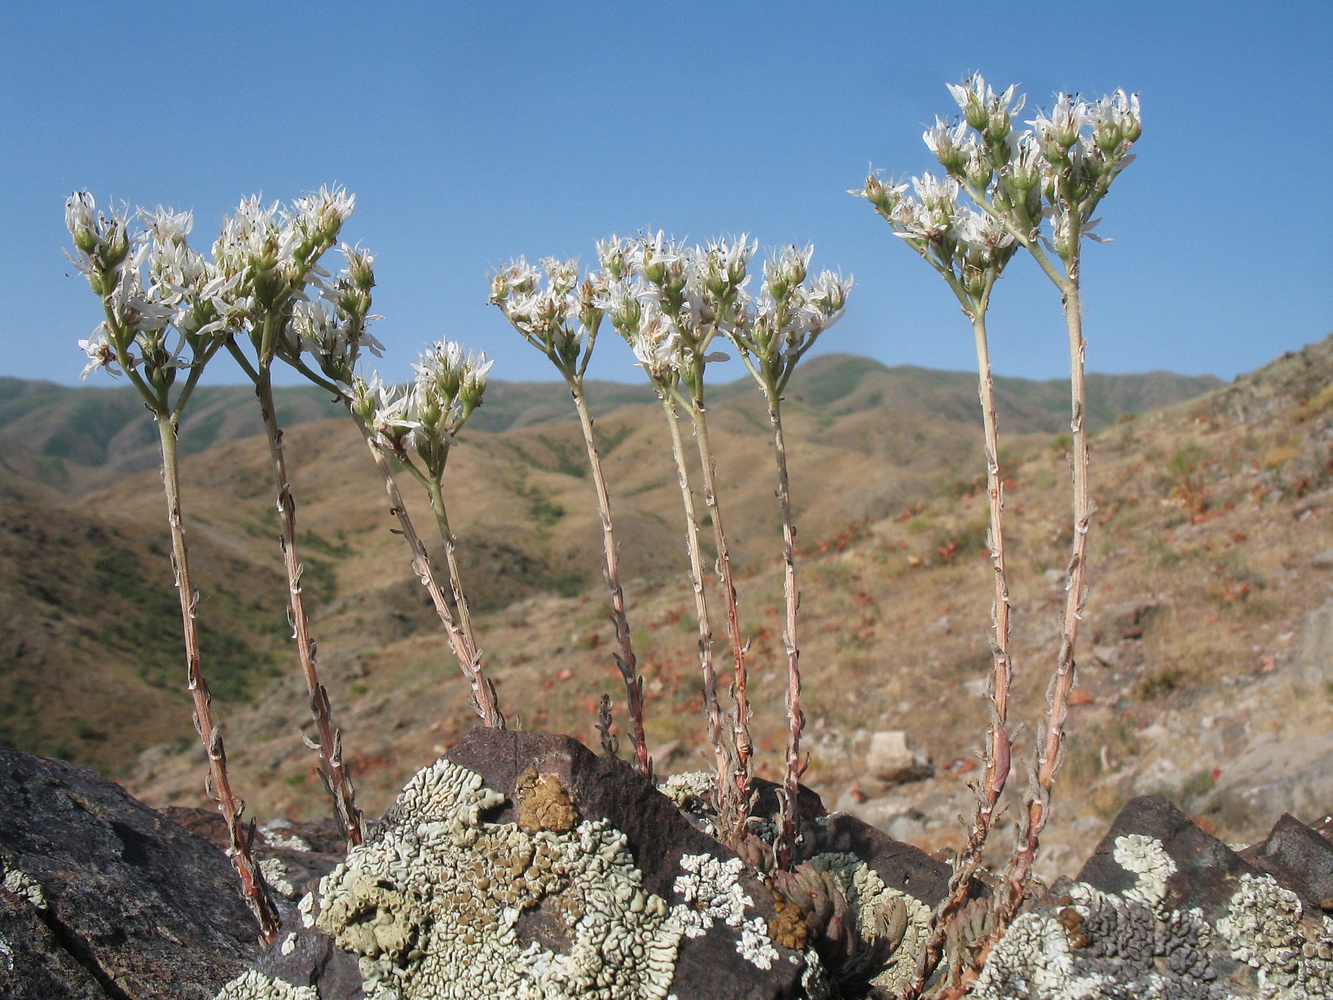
x,y
543,803
1132,946
22,884
1291,952
254,985
446,905
1146,858
278,876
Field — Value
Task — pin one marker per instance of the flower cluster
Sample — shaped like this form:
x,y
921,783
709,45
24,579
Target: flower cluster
x,y
1051,175
426,415
552,309
788,317
669,301
264,269
112,258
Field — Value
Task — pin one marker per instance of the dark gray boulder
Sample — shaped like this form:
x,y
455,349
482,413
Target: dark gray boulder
x,y
103,897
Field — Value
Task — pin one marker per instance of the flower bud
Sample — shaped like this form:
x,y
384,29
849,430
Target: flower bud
x,y
80,220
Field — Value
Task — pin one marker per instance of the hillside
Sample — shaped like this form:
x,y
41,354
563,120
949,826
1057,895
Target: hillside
x,y
894,588
89,622
1210,562
85,437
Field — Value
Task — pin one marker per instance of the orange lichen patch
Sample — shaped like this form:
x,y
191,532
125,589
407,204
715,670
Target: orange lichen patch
x,y
543,803
789,928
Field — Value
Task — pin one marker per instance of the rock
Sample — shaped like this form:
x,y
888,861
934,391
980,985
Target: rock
x,y
454,898
1322,560
1106,655
1125,621
104,898
1313,668
1299,858
523,861
1284,776
891,761
1165,912
609,887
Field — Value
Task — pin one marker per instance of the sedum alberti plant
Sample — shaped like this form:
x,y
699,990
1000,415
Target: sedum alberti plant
x,y
1003,190
264,297
157,335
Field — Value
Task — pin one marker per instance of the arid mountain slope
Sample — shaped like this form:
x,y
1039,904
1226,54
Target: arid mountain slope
x,y
1210,560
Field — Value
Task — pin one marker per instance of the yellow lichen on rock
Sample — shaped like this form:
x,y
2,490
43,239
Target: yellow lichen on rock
x,y
543,803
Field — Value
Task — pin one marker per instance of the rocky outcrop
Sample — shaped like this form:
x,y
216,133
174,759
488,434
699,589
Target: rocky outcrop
x,y
103,897
1162,911
523,865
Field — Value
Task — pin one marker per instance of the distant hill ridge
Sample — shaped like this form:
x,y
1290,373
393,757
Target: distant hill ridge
x,y
101,430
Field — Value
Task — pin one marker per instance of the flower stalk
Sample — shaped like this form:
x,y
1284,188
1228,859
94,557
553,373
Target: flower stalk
x,y
270,260
484,697
561,319
789,317
1017,181
423,421
132,340
391,424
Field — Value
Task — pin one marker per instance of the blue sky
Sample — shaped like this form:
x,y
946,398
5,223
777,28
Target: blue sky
x,y
475,132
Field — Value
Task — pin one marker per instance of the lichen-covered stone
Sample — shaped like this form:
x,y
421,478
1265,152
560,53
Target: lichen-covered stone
x,y
454,898
254,985
1290,952
1133,939
470,892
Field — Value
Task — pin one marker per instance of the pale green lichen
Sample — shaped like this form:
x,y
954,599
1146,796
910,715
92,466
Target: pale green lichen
x,y
1146,857
712,891
254,985
23,885
278,876
1291,953
441,906
689,789
306,908
448,906
1132,946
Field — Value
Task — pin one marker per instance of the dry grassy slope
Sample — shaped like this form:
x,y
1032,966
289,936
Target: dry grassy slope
x,y
87,437
90,634
893,632
93,661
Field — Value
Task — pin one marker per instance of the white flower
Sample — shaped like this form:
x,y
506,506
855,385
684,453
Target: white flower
x,y
981,233
451,379
81,220
165,225
948,143
1023,170
517,278
100,354
388,411
562,276
828,293
612,254
982,107
1115,119
657,344
133,308
1060,129
315,220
